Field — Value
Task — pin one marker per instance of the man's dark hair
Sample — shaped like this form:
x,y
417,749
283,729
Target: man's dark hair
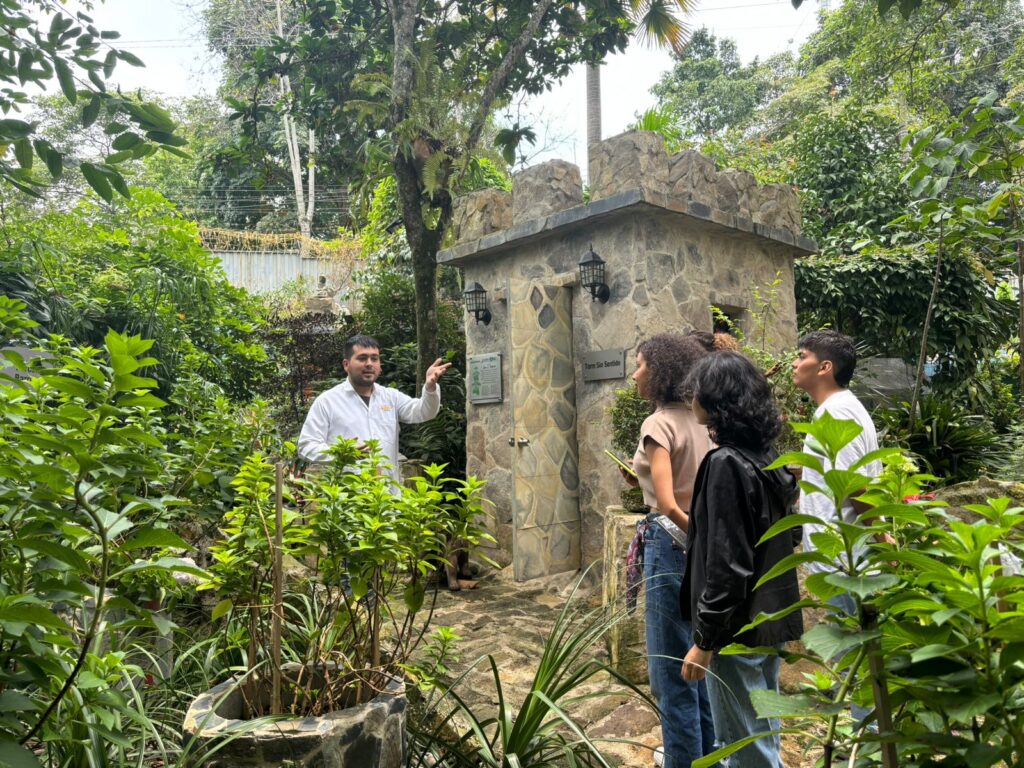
x,y
837,349
738,400
359,340
669,358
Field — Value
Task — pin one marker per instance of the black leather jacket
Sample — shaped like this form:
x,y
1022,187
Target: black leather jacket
x,y
734,503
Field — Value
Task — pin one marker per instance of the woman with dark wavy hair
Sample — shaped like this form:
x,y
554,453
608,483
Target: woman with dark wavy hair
x,y
735,502
671,447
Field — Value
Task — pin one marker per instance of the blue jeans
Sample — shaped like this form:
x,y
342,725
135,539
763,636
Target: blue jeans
x,y
687,730
730,682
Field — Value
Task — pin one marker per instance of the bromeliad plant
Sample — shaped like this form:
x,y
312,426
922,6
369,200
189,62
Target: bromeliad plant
x,y
936,644
356,614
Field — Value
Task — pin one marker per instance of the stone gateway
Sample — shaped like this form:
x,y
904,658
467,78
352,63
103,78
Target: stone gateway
x,y
677,237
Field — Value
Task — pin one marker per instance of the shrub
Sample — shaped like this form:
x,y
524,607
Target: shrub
x,y
954,444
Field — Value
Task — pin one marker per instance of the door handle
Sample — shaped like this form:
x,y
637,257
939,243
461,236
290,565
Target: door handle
x,y
522,441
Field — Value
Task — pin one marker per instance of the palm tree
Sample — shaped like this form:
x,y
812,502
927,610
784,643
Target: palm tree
x,y
657,22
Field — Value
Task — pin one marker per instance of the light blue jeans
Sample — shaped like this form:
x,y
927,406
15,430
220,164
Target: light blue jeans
x,y
730,682
686,726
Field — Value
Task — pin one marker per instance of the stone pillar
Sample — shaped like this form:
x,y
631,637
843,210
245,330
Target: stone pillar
x,y
627,649
629,161
541,190
481,213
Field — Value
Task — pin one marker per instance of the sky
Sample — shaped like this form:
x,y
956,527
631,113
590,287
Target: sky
x,y
167,36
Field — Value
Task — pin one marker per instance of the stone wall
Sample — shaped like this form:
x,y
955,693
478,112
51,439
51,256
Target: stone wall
x,y
677,236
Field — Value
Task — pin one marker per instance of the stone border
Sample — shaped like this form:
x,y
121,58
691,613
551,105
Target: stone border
x,y
535,229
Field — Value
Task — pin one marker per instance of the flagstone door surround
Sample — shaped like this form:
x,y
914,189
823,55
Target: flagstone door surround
x,y
545,492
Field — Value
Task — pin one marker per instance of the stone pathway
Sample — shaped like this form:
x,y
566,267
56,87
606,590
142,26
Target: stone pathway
x,y
511,621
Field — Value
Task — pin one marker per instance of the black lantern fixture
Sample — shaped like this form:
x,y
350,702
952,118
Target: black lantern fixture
x,y
592,276
476,302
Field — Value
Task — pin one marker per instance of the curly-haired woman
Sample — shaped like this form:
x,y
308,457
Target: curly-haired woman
x,y
734,503
672,445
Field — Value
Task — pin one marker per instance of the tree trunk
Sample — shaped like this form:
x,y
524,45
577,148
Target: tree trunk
x,y
593,113
423,244
303,213
919,376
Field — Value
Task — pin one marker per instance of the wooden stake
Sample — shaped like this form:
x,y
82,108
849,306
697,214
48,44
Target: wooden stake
x,y
277,614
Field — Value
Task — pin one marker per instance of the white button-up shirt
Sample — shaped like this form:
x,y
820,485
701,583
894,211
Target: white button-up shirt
x,y
341,412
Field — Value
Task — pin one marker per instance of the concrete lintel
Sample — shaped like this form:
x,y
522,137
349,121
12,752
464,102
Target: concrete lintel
x,y
528,231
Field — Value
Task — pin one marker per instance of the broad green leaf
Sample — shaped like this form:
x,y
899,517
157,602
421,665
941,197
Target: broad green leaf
x,y
56,550
830,640
23,153
33,614
13,755
150,538
864,585
788,522
97,180
173,564
790,562
771,704
221,609
66,79
15,701
91,111
965,709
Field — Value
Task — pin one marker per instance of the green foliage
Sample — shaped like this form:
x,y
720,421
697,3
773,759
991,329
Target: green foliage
x,y
139,268
711,91
848,172
664,122
46,42
954,444
81,517
1012,466
879,296
628,413
937,620
373,546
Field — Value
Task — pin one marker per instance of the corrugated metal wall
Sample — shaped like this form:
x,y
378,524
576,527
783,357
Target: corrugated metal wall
x,y
269,270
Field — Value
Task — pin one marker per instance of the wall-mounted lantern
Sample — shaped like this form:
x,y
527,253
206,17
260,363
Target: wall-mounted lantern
x,y
592,276
476,302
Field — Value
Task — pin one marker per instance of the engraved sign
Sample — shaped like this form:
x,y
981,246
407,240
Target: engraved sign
x,y
605,364
26,354
484,383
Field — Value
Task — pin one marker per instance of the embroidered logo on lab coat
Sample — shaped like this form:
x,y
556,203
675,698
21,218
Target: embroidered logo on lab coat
x,y
387,407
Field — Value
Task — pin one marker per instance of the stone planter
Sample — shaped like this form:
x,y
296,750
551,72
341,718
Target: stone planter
x,y
370,735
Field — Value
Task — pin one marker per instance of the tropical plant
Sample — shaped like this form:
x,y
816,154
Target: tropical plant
x,y
978,156
880,297
139,268
934,641
355,614
628,412
81,57
954,444
77,458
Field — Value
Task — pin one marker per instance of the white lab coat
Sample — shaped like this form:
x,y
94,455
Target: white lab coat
x,y
341,412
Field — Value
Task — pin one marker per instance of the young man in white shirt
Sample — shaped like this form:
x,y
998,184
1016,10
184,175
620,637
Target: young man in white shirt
x,y
823,368
361,409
